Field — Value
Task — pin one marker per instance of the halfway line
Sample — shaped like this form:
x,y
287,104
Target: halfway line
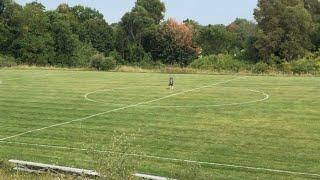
x,y
117,109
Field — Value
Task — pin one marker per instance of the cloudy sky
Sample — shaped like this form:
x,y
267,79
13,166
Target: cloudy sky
x,y
203,11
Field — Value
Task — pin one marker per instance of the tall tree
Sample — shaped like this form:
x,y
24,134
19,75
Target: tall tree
x,y
215,39
243,30
92,28
245,37
155,9
313,6
99,34
11,23
65,41
172,42
285,28
34,44
85,13
136,24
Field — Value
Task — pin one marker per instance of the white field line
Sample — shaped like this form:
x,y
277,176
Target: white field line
x,y
266,97
172,159
115,110
158,157
86,96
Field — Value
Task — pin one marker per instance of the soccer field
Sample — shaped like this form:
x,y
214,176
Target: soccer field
x,y
208,127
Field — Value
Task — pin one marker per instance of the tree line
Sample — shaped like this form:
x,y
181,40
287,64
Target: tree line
x,y
78,36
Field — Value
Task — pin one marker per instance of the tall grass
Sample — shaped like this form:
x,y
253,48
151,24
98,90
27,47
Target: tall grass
x,y
113,162
7,173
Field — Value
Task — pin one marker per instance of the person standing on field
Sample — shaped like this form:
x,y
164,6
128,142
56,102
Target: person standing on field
x,y
171,83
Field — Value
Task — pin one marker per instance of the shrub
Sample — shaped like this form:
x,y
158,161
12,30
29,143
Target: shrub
x,y
102,63
285,67
83,54
218,63
7,61
306,66
260,68
115,54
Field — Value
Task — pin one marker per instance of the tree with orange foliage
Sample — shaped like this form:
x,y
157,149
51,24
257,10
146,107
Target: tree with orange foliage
x,y
172,43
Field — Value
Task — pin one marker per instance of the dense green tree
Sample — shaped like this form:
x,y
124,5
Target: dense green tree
x,y
215,39
313,6
133,26
69,36
3,4
85,13
155,9
99,34
285,26
244,32
196,27
92,28
65,41
135,23
34,43
9,24
65,44
63,8
4,36
130,51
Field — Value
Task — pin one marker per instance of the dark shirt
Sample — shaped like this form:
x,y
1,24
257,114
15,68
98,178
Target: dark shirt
x,y
171,81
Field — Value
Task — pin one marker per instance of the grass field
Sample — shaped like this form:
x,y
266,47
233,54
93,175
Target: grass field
x,y
209,127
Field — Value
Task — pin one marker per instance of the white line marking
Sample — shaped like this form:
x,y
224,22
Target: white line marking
x,y
86,96
158,157
172,159
266,97
117,109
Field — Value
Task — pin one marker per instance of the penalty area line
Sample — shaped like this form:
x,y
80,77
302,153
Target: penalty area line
x,y
279,171
117,109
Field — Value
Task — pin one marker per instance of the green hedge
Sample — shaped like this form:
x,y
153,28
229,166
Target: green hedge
x,y
306,66
220,62
260,68
102,63
225,62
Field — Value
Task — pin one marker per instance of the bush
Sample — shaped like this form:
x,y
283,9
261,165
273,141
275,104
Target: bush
x,y
102,63
115,54
306,66
218,63
7,61
260,68
83,54
285,67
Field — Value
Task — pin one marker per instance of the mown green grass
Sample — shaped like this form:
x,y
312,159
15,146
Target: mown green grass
x,y
280,133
